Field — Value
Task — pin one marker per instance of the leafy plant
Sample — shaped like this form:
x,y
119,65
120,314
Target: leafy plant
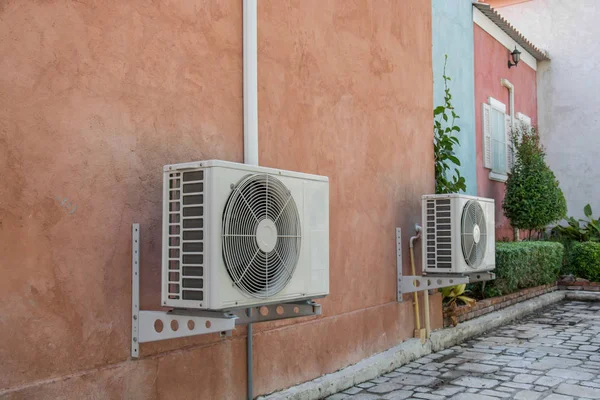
x,y
444,140
574,230
585,260
451,296
533,197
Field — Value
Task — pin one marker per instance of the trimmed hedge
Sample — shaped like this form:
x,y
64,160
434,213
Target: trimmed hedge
x,y
585,260
521,265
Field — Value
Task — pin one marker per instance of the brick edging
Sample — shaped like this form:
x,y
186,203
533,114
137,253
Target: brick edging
x,y
486,306
583,286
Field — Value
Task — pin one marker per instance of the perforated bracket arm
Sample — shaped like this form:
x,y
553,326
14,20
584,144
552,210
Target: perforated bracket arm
x,y
277,311
150,326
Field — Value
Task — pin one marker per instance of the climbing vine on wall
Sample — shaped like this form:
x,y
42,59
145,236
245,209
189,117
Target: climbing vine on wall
x,y
447,175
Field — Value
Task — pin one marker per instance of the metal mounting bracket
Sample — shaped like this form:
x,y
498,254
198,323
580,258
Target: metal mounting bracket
x,y
399,264
150,326
411,284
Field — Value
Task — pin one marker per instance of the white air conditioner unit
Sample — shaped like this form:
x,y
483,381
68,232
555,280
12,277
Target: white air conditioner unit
x,y
458,234
236,235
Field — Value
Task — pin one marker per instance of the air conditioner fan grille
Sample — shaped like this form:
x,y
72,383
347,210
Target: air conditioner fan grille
x,y
261,235
473,234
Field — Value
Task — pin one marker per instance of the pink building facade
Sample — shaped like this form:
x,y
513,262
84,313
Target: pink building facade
x,y
494,81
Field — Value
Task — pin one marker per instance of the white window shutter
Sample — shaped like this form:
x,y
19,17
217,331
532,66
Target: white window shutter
x,y
524,119
524,124
510,156
487,136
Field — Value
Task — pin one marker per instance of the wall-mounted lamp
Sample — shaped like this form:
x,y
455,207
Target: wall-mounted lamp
x,y
516,57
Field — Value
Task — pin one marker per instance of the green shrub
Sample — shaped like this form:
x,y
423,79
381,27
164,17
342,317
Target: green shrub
x,y
533,198
521,265
585,260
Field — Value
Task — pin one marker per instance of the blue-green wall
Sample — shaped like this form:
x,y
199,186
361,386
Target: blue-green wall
x,y
453,35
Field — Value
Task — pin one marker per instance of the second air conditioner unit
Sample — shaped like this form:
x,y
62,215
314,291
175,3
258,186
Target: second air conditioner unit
x,y
458,234
236,235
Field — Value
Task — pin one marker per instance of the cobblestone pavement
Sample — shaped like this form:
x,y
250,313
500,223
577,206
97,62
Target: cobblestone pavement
x,y
551,355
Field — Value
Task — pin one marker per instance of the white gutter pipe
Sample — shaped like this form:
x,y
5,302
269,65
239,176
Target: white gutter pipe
x,y
511,92
250,132
250,83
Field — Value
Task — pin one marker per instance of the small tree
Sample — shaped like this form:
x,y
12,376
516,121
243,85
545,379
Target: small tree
x,y
533,197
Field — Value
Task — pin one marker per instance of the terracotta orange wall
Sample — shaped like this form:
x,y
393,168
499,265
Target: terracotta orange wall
x,y
491,59
95,97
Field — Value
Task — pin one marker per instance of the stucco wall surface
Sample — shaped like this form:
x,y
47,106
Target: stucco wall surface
x,y
568,88
95,97
491,67
453,35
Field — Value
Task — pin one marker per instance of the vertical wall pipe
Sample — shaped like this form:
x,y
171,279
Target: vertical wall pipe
x,y
250,127
511,106
250,83
414,273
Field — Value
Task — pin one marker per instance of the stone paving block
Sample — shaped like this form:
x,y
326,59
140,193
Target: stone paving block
x,y
505,389
338,396
366,385
384,388
590,384
517,385
474,382
481,368
494,393
577,390
454,374
428,396
554,362
588,348
398,395
558,397
580,338
421,389
476,356
472,396
448,390
433,366
549,381
516,370
570,374
353,390
520,364
392,374
516,350
527,395
525,378
415,380
364,396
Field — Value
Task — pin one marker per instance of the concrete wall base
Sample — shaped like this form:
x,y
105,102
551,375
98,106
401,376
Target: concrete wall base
x,y
412,349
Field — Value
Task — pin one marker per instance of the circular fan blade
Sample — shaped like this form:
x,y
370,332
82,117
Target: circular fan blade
x,y
261,235
473,216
